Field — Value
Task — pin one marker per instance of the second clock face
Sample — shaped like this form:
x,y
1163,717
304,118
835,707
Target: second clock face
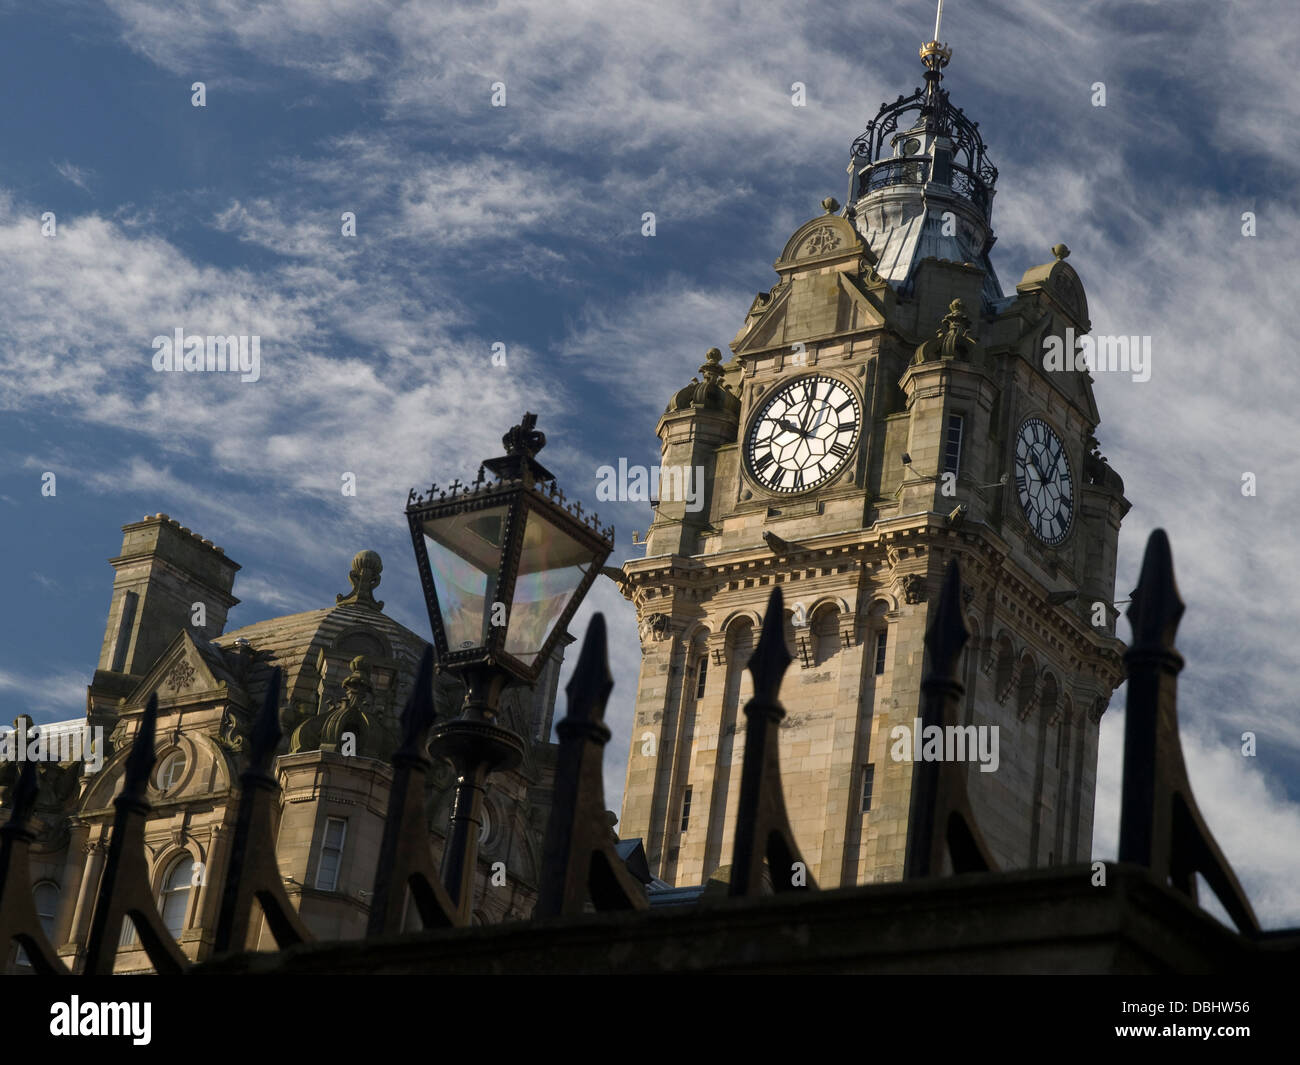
x,y
803,434
1043,481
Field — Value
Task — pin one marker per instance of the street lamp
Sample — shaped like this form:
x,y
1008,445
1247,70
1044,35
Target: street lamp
x,y
504,566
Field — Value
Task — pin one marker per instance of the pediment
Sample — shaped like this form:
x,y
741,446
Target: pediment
x,y
183,671
1061,287
1074,385
838,304
824,239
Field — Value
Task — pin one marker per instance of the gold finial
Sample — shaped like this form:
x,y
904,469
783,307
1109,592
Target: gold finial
x,y
933,54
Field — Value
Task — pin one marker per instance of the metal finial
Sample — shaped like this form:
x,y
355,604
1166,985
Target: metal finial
x,y
947,633
771,657
140,762
1157,607
589,687
418,715
266,729
24,795
934,55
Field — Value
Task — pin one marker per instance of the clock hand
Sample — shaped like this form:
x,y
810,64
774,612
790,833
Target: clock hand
x,y
807,413
789,427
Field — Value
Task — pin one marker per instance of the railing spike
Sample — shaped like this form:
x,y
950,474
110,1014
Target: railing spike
x,y
24,792
1156,608
141,760
266,733
589,687
947,634
252,872
405,850
771,657
762,824
578,858
18,917
940,818
419,712
1161,826
125,890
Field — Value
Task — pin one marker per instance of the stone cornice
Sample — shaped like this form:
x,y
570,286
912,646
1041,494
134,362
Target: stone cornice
x,y
1019,600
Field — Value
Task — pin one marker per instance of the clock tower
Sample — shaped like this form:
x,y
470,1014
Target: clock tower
x,y
886,408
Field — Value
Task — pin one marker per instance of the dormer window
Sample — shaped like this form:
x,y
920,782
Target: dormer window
x,y
171,771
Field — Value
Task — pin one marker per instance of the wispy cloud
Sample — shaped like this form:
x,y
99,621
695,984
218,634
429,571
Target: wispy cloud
x,y
75,174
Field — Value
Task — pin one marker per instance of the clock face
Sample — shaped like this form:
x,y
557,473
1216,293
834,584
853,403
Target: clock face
x,y
803,434
1044,481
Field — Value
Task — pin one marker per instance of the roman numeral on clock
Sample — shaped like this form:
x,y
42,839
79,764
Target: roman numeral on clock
x,y
838,450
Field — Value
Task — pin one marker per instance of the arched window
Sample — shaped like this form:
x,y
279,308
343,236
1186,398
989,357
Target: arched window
x,y
825,634
174,903
1006,665
878,635
1028,682
171,771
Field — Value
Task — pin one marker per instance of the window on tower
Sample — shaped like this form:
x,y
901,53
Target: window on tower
x,y
882,644
686,808
331,854
952,444
701,673
868,782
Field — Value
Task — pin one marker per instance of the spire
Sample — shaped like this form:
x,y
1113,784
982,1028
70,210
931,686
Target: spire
x,y
919,161
935,56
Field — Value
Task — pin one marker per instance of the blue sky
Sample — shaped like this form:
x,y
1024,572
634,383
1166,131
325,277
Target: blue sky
x,y
522,225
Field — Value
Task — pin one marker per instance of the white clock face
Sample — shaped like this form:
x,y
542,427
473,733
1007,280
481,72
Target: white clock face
x,y
803,435
1044,482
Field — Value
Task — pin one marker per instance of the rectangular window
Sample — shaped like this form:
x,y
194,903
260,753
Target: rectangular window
x,y
331,854
952,444
868,781
703,671
882,643
686,809
1060,742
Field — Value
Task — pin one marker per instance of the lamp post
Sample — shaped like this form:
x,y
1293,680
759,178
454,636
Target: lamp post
x,y
504,566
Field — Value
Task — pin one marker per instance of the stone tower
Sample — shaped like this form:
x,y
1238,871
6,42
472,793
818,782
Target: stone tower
x,y
886,409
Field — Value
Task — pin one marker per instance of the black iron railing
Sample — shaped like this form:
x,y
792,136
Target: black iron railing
x,y
916,170
1162,827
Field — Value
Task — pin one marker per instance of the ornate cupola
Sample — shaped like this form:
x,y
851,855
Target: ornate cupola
x,y
921,185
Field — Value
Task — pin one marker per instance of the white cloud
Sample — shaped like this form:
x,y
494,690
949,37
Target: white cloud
x,y
76,175
57,697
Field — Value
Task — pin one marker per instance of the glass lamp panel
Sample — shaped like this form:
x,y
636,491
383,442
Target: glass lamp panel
x,y
551,567
465,560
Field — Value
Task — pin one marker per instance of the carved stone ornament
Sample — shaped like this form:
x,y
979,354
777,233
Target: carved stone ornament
x,y
822,240
180,676
653,627
953,339
365,576
231,736
914,588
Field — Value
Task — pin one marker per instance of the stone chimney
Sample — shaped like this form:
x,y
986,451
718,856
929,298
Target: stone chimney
x,y
163,573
